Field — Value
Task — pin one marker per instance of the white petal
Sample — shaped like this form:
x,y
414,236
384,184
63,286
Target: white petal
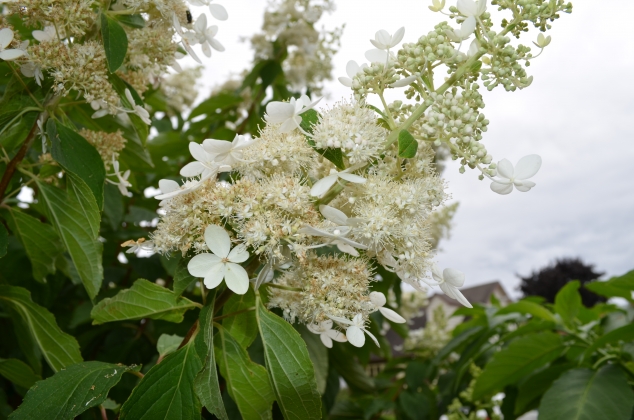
x,y
346,81
278,112
448,290
351,177
436,273
216,45
392,316
309,230
201,23
326,340
404,82
28,69
217,147
351,242
398,36
218,11
167,185
217,240
352,68
323,185
289,125
482,7
6,36
198,152
9,55
372,337
527,166
378,299
340,320
314,328
460,298
237,278
376,56
383,37
467,27
238,254
453,277
467,7
334,215
201,264
192,169
523,187
191,51
501,188
348,249
355,336
215,275
337,336
505,168
326,325
206,49
129,97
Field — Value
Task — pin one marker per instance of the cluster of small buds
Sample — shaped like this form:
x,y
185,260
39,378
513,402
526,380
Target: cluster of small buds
x,y
431,49
504,66
539,12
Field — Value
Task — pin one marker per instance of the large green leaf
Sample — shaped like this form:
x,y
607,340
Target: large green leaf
x,y
289,366
182,278
115,42
18,372
243,327
568,301
585,394
528,307
74,214
623,334
167,390
168,344
40,242
211,106
206,383
59,349
407,145
520,358
621,286
318,355
247,382
143,300
76,155
456,342
70,392
531,390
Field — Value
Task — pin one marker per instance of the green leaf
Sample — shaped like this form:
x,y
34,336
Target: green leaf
x,y
520,358
74,215
40,242
568,301
134,21
211,106
289,366
182,278
247,382
462,338
532,389
143,300
70,392
76,155
407,145
59,349
167,390
206,383
621,286
115,42
309,119
624,334
168,344
345,363
18,372
243,327
318,356
4,240
530,308
584,394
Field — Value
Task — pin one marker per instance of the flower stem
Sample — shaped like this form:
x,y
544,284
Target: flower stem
x,y
280,286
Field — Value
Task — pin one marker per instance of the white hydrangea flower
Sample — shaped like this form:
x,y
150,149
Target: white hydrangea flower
x,y
6,37
204,165
376,55
466,29
323,185
542,41
337,236
31,69
326,333
222,263
138,109
227,152
526,168
384,41
47,35
288,113
437,5
352,69
470,8
206,36
122,179
379,300
187,38
170,189
217,10
449,280
355,331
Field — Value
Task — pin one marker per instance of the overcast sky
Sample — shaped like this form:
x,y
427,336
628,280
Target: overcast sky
x,y
578,115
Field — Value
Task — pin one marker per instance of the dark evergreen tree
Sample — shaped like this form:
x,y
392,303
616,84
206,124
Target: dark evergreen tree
x,y
547,281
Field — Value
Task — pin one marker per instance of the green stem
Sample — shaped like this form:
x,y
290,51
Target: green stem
x,y
280,286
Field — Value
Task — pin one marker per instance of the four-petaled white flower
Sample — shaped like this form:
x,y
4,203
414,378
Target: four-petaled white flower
x,y
122,179
378,300
187,38
47,35
170,189
449,281
326,333
137,109
6,36
323,185
336,234
204,165
217,10
222,263
31,69
542,41
355,331
466,29
205,36
352,69
437,5
509,176
384,41
227,152
472,8
288,113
